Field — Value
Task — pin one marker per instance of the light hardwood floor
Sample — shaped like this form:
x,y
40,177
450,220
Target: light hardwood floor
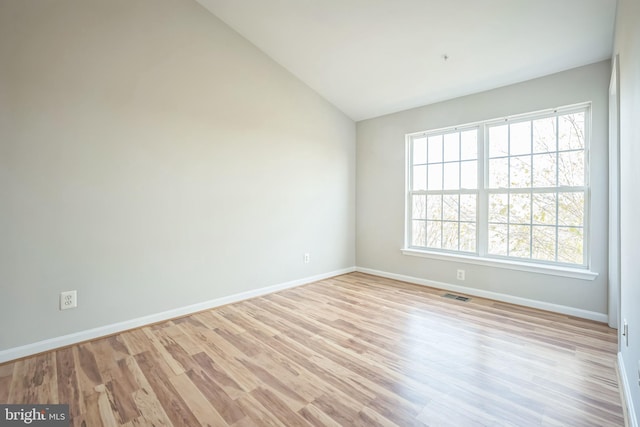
x,y
352,350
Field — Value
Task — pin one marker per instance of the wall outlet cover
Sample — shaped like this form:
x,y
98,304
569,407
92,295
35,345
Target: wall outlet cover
x,y
68,299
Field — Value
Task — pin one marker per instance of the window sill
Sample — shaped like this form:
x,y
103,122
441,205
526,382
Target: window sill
x,y
574,273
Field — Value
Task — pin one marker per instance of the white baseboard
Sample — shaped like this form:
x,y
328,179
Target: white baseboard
x,y
626,393
90,334
556,308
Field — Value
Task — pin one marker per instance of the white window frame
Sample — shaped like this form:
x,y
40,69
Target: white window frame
x,y
481,256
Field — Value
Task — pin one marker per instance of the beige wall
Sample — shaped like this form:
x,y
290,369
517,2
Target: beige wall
x,y
381,180
151,158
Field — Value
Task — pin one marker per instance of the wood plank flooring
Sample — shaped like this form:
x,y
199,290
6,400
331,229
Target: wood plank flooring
x,y
351,350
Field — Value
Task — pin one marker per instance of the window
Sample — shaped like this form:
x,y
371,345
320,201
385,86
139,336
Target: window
x,y
513,188
444,196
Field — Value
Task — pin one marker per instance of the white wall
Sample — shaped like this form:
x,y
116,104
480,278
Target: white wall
x,y
151,158
627,46
380,184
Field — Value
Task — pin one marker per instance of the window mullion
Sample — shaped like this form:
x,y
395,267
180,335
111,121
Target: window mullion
x,y
509,190
557,186
483,196
459,184
531,190
408,235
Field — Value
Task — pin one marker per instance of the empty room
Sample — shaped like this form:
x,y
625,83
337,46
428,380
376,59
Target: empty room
x,y
319,213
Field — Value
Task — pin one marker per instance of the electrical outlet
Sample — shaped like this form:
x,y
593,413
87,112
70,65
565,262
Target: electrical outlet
x,y
307,257
68,299
460,275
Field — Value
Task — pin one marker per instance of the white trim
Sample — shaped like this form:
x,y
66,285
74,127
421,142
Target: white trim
x,y
626,393
556,308
101,331
614,196
574,273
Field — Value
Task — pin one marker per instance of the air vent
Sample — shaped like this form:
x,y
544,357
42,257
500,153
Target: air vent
x,y
456,297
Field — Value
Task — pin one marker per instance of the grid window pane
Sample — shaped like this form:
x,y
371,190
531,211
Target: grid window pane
x,y
544,208
543,243
544,166
435,149
520,138
469,145
468,207
419,151
498,239
520,241
434,207
499,141
418,233
435,177
468,236
498,208
419,178
434,234
419,206
452,176
520,208
498,173
570,245
450,207
544,135
571,168
469,174
520,172
452,147
571,209
450,236
571,132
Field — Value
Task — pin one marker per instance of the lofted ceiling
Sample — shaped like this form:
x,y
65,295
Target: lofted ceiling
x,y
375,57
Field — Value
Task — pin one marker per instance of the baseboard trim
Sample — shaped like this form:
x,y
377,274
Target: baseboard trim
x,y
556,308
626,393
91,334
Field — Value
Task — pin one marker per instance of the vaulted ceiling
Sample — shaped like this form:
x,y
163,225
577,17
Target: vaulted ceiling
x,y
374,57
